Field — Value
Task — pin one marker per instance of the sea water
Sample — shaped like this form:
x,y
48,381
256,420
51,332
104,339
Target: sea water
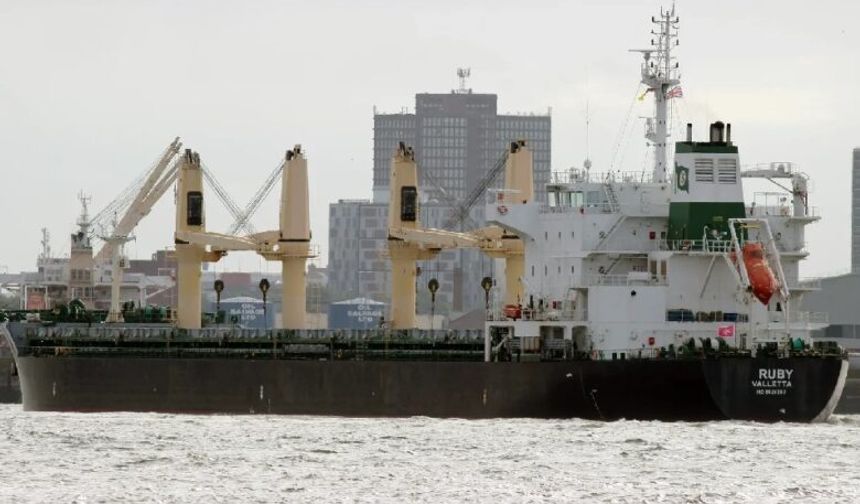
x,y
144,457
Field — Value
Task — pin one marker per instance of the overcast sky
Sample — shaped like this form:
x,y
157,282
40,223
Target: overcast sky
x,y
92,91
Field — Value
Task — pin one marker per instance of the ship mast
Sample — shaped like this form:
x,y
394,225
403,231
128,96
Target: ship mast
x,y
659,73
84,219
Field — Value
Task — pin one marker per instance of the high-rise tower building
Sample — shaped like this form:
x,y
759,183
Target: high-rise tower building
x,y
458,137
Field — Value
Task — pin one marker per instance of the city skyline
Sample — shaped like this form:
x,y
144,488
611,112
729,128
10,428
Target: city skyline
x,y
100,92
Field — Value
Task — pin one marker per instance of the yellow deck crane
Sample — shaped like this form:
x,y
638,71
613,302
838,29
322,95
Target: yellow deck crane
x,y
140,200
195,245
408,242
289,244
501,243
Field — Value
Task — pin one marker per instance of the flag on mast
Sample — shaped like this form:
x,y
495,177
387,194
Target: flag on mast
x,y
642,96
675,92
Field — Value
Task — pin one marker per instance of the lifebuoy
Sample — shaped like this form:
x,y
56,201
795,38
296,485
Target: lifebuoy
x,y
502,209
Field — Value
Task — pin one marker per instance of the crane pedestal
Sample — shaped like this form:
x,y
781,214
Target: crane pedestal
x,y
189,257
403,276
294,257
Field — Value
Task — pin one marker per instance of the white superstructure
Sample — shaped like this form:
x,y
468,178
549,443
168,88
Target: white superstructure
x,y
635,264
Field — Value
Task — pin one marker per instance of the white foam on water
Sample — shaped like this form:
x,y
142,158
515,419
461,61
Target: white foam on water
x,y
154,458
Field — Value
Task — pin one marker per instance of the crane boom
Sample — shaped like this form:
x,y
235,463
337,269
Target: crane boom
x,y
163,185
144,199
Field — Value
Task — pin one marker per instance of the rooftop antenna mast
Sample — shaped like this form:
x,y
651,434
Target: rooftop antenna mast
x,y
587,163
46,244
660,74
84,219
463,74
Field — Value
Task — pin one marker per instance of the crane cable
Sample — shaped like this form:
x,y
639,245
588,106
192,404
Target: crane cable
x,y
622,133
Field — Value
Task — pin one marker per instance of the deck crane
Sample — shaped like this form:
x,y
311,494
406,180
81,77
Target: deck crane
x,y
155,183
408,242
289,244
142,199
517,165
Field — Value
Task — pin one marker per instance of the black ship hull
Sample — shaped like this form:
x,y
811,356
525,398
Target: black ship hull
x,y
790,389
10,392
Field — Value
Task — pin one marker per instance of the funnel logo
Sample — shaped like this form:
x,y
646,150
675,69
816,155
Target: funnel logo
x,y
682,179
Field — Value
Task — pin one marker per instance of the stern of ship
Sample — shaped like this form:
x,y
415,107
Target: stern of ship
x,y
793,389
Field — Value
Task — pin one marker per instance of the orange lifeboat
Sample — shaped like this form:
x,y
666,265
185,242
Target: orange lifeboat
x,y
762,280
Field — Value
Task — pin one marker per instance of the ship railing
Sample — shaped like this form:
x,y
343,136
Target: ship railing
x,y
790,247
778,211
331,351
801,317
805,284
565,314
575,176
154,334
632,278
770,211
714,246
591,208
503,196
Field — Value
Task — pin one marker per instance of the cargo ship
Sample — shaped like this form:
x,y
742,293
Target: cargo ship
x,y
651,296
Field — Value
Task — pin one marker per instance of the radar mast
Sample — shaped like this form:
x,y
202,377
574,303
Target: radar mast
x,y
660,74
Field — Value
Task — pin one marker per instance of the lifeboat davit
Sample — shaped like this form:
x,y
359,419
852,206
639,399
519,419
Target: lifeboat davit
x,y
762,279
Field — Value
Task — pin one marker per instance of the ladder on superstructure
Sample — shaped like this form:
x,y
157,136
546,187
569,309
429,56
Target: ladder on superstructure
x,y
611,197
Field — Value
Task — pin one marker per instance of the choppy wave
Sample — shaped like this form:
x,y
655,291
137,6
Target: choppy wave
x,y
132,457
